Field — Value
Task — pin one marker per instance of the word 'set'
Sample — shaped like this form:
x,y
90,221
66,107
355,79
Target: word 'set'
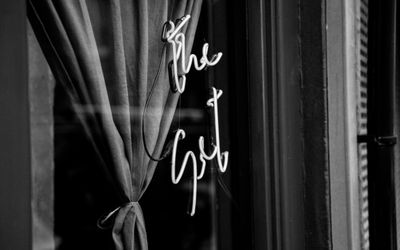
x,y
222,158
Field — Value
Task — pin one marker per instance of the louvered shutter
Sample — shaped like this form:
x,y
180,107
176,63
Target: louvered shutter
x,y
362,78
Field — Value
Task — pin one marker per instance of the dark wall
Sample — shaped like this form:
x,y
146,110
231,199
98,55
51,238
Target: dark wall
x,y
381,103
15,209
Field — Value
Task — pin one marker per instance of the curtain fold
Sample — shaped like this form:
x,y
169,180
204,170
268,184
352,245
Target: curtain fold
x,y
106,54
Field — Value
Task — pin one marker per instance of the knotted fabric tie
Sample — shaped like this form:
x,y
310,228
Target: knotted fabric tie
x,y
129,231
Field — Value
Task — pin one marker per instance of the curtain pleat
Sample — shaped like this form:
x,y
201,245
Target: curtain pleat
x,y
107,62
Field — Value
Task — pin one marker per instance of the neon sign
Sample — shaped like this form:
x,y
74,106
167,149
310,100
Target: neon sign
x,y
177,40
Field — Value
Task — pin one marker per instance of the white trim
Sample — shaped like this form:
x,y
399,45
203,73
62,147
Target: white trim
x,y
342,121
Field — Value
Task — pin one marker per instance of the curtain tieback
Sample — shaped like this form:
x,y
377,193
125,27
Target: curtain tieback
x,y
102,222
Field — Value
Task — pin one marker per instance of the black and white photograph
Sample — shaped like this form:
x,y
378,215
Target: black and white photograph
x,y
199,125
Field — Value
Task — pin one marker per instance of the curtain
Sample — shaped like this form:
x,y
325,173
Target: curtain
x,y
107,54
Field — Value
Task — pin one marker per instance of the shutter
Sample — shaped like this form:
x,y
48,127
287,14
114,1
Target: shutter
x,y
362,37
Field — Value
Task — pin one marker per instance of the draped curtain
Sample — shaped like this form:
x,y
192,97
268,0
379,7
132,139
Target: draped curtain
x,y
107,53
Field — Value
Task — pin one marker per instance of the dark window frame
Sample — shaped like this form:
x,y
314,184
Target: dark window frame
x,y
282,45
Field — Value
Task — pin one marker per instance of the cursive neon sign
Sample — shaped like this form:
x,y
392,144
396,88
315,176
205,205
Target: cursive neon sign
x,y
177,40
222,158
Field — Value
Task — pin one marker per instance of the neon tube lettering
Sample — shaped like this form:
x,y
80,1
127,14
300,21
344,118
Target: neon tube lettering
x,y
177,40
180,135
222,158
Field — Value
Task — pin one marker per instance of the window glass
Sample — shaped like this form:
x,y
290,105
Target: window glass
x,y
73,192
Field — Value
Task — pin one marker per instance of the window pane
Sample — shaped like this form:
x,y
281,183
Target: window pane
x,y
72,191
